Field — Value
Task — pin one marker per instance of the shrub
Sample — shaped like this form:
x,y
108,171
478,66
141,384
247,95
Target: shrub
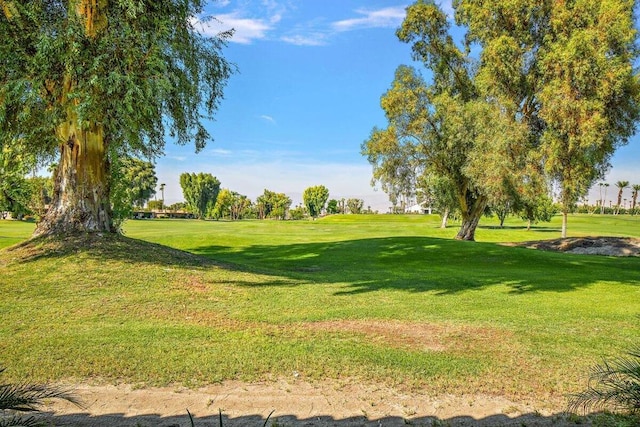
x,y
614,385
16,399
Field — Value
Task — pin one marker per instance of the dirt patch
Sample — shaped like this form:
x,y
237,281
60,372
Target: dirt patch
x,y
414,335
609,246
294,403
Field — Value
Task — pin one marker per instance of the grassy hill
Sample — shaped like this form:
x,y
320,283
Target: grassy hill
x,y
381,298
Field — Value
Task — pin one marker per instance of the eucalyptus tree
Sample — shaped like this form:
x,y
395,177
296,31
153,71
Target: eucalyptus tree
x,y
315,199
139,180
332,207
565,69
200,192
272,205
89,81
445,128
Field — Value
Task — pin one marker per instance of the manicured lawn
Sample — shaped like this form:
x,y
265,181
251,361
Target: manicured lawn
x,y
381,298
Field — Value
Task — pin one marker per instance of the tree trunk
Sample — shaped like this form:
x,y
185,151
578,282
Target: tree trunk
x,y
471,217
80,200
445,218
81,193
565,216
468,229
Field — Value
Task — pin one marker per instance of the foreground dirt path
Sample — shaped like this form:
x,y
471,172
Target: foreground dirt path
x,y
294,403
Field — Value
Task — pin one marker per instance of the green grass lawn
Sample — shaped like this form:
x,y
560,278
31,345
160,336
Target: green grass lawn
x,y
381,298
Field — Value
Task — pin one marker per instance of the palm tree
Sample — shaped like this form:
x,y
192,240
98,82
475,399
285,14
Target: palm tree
x,y
600,201
23,398
606,185
634,197
162,191
621,186
613,385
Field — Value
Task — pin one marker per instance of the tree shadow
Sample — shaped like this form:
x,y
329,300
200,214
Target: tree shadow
x,y
105,246
155,420
421,264
533,228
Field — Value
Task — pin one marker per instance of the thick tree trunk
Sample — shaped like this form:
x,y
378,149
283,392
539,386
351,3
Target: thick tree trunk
x,y
81,193
468,228
474,208
81,182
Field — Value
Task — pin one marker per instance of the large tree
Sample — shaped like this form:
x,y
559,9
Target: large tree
x,y
139,179
91,80
200,191
272,205
565,69
443,129
315,198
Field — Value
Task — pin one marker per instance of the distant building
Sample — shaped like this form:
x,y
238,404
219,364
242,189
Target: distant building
x,y
419,209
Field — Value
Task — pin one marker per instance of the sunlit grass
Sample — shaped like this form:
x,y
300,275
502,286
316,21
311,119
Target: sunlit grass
x,y
381,298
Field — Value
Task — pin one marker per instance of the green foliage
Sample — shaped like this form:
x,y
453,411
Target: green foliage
x,y
15,193
333,207
272,205
541,209
315,199
155,205
232,205
201,192
553,92
143,68
297,213
565,71
122,75
25,397
613,385
133,182
434,131
139,178
177,206
355,205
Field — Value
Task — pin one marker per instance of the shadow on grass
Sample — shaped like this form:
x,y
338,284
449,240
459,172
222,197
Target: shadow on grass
x,y
411,264
151,420
420,264
536,228
104,246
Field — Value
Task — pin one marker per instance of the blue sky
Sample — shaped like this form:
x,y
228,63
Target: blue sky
x,y
306,95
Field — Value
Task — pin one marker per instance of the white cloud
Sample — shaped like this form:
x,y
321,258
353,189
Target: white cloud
x,y
246,30
178,158
268,119
315,39
219,152
388,17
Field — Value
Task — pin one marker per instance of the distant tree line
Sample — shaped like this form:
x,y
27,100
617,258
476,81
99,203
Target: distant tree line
x,y
205,199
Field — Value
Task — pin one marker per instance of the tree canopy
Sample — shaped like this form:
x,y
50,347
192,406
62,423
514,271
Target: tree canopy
x,y
565,70
92,80
315,199
537,92
200,191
